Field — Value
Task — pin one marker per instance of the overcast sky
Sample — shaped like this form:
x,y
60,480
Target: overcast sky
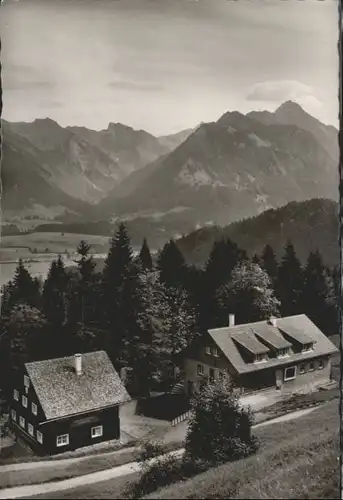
x,y
166,65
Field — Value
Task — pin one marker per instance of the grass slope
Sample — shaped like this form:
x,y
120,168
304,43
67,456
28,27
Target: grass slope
x,y
297,459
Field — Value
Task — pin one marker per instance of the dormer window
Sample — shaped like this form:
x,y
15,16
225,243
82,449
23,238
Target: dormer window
x,y
260,357
307,347
283,352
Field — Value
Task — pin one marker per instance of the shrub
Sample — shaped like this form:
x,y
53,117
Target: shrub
x,y
162,471
219,429
149,450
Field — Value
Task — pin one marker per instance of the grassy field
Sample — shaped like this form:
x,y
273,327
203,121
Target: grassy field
x,y
54,242
297,459
60,471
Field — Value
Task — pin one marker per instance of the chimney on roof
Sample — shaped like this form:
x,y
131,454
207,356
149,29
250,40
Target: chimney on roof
x,y
272,321
231,320
78,364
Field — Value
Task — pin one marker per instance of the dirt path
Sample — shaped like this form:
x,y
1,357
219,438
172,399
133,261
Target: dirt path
x,y
122,470
289,416
95,477
42,464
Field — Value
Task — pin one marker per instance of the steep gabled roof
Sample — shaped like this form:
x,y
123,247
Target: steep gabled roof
x,y
61,392
224,339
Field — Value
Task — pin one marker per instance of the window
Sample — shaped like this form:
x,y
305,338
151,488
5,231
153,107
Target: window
x,y
16,394
311,366
14,415
260,357
302,368
200,370
96,431
62,440
283,352
30,429
22,422
320,364
34,408
215,352
290,373
24,401
208,350
26,381
39,437
211,374
307,347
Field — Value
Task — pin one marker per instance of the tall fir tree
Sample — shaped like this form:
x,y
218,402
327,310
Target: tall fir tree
x,y
82,291
23,289
121,302
171,265
145,256
290,282
269,262
55,308
224,257
318,294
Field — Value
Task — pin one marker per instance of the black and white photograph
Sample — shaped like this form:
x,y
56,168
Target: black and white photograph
x,y
170,263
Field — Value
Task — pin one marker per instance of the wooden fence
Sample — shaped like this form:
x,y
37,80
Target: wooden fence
x,y
181,418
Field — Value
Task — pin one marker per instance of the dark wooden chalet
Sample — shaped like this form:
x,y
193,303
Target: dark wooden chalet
x,y
66,403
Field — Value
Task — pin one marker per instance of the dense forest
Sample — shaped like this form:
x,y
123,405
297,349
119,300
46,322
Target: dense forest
x,y
144,313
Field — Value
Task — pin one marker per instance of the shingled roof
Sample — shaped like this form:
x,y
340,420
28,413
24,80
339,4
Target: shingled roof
x,y
300,325
62,392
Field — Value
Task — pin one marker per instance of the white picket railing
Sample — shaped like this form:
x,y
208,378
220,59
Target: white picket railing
x,y
181,418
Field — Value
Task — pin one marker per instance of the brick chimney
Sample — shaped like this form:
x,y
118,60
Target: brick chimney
x,y
231,320
78,364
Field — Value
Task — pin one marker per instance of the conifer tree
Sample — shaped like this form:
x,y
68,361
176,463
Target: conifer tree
x,y
53,295
318,293
290,282
269,262
23,289
121,299
171,265
55,308
82,290
224,257
145,256
256,259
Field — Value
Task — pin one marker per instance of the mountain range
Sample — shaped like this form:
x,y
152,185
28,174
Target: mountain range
x,y
216,173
